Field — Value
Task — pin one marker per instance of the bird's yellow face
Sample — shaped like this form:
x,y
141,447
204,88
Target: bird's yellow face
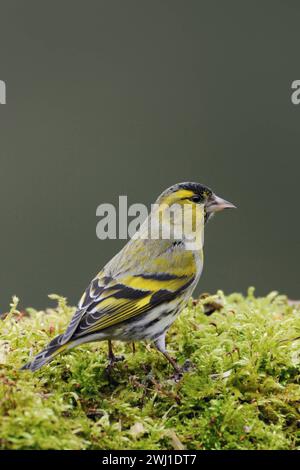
x,y
189,206
184,207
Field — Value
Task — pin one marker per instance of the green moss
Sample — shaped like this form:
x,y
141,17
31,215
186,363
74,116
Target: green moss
x,y
243,392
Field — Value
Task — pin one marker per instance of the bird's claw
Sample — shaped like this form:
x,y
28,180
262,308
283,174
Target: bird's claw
x,y
118,358
187,366
112,361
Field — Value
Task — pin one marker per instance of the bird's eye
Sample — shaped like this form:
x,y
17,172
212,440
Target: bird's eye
x,y
196,198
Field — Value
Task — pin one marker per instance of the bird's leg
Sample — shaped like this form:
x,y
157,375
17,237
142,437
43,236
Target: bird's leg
x,y
133,347
111,356
160,344
112,359
173,362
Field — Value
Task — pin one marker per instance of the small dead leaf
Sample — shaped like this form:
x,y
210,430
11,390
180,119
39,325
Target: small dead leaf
x,y
51,329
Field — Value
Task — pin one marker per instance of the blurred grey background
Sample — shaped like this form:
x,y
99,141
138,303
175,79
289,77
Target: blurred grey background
x,y
128,97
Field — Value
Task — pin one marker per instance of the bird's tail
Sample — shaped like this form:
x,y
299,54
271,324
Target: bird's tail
x,y
54,347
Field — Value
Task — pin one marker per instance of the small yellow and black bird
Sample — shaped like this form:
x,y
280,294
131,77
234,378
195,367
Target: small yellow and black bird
x,y
139,293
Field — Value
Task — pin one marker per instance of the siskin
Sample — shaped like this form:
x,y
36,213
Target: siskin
x,y
139,293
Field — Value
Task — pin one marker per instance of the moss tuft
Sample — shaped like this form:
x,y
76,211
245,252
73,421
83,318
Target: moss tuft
x,y
242,393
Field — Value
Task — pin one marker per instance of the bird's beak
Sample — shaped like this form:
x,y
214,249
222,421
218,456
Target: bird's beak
x,y
216,204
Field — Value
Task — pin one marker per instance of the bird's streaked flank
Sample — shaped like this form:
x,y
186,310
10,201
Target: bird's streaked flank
x,y
140,292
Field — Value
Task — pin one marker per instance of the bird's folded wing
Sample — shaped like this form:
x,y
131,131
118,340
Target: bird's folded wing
x,y
109,301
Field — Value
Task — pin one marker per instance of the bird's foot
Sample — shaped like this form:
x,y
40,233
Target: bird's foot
x,y
112,360
180,371
118,359
187,366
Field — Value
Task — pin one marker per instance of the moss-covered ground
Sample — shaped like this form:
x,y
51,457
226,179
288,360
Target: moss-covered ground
x,y
242,393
